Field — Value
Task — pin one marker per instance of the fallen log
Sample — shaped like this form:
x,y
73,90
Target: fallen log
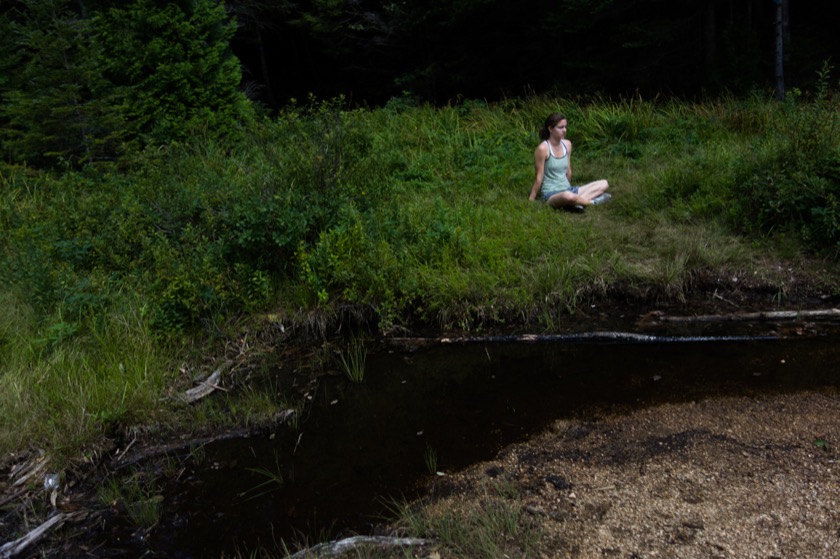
x,y
599,336
650,320
332,549
750,316
18,546
122,460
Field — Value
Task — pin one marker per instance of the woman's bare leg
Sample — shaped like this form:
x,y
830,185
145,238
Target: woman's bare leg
x,y
584,197
592,190
564,199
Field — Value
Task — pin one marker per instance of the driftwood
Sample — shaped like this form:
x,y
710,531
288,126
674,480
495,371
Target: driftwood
x,y
606,336
207,386
35,467
182,446
649,320
13,495
331,549
18,546
123,460
750,316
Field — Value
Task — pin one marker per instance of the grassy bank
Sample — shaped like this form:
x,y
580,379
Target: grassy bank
x,y
115,280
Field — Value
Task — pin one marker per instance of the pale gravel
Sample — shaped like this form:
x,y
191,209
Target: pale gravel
x,y
730,477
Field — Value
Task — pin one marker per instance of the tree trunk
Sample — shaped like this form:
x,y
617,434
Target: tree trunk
x,y
786,31
749,16
266,74
780,60
709,40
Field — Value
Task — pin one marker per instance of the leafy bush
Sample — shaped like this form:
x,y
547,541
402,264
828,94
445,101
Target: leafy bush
x,y
792,184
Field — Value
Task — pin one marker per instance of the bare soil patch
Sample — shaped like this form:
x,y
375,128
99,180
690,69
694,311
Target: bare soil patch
x,y
730,477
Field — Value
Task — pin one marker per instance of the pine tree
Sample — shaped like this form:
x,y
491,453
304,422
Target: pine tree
x,y
55,101
174,62
86,82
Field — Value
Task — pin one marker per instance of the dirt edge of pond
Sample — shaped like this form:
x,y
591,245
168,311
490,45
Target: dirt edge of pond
x,y
730,477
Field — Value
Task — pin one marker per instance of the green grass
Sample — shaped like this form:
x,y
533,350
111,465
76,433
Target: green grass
x,y
63,388
135,497
431,460
114,284
270,480
493,526
352,360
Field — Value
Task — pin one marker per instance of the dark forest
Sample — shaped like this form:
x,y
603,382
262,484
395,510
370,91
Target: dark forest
x,y
86,80
372,50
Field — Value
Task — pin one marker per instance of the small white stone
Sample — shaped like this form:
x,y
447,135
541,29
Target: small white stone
x,y
51,482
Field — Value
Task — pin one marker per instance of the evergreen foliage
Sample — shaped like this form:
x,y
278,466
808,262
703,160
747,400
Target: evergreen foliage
x,y
173,63
55,101
87,87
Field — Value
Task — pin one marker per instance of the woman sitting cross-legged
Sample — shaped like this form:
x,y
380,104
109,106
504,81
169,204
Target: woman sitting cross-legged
x,y
552,164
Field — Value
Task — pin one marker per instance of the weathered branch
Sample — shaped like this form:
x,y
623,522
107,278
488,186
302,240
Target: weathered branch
x,y
181,446
208,385
752,316
35,468
332,549
644,322
18,546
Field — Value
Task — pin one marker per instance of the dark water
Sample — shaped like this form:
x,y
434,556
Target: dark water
x,y
360,445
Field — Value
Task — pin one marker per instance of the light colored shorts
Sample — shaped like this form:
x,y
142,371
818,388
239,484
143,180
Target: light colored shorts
x,y
547,195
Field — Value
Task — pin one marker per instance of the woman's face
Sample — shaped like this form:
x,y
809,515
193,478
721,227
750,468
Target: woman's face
x,y
558,131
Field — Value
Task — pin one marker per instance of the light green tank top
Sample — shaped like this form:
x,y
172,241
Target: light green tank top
x,y
554,173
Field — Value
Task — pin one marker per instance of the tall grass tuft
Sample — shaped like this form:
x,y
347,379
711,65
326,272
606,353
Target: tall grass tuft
x,y
62,389
495,526
431,460
135,497
353,359
272,480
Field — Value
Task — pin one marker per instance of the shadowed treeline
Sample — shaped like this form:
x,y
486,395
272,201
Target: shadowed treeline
x,y
371,51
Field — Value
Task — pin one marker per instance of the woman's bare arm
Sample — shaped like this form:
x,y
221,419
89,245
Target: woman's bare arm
x,y
540,155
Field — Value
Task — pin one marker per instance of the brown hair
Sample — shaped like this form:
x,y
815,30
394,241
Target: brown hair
x,y
550,122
